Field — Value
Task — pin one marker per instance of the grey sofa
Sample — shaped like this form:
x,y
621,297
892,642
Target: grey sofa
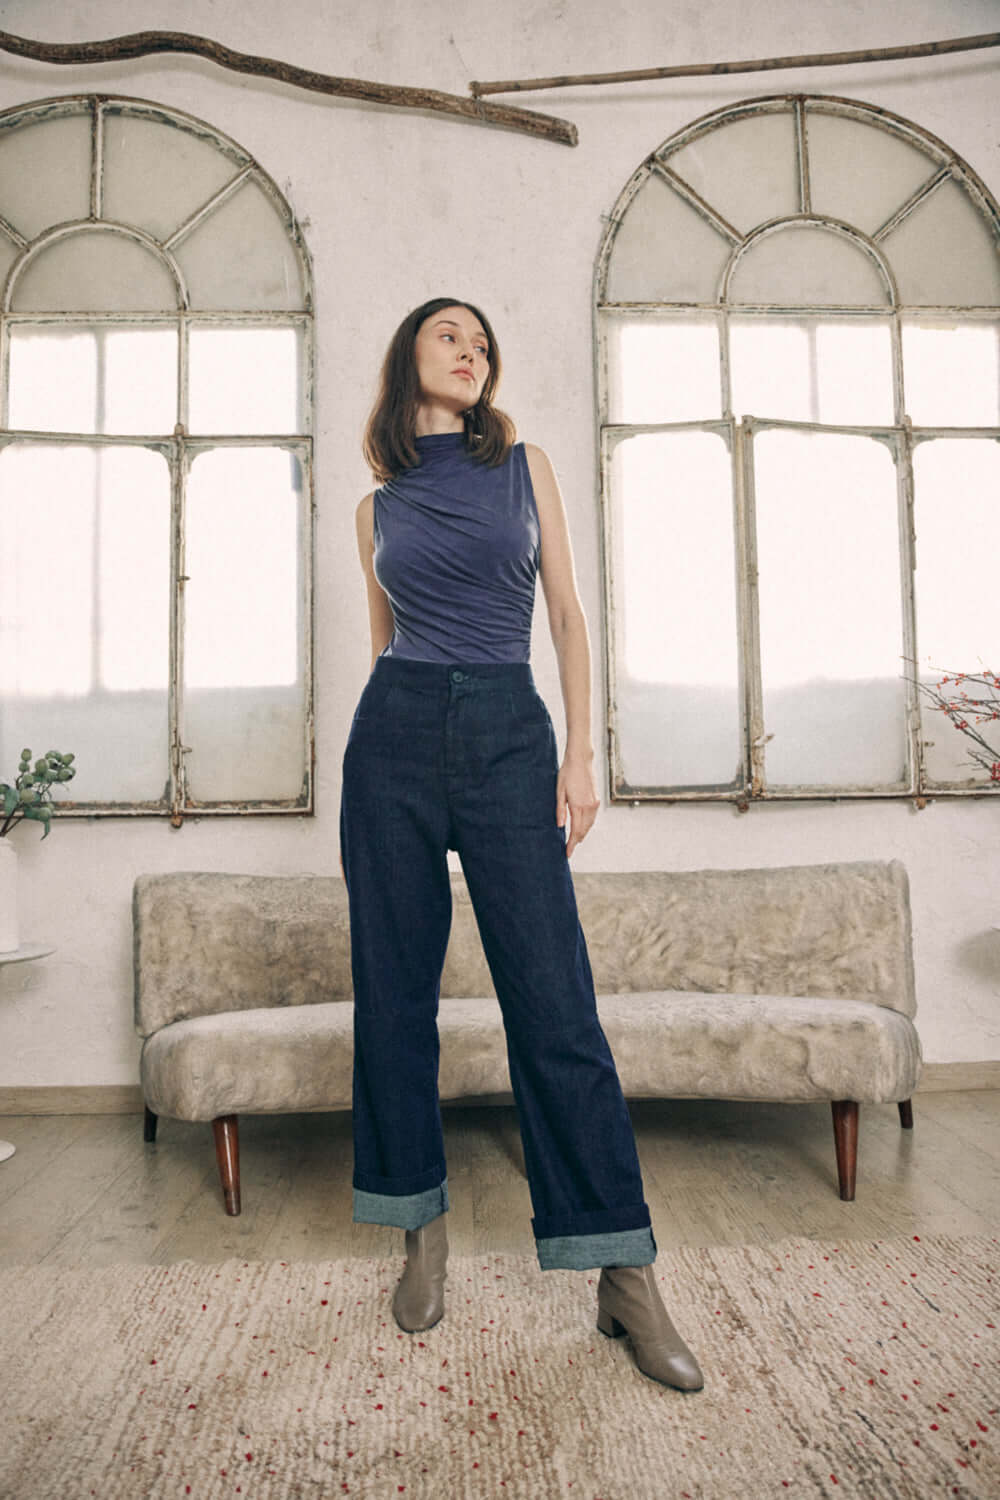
x,y
789,984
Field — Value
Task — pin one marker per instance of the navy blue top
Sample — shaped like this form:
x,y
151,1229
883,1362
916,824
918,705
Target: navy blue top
x,y
456,550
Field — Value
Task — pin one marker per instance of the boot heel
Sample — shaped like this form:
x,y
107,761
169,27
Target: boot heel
x,y
608,1325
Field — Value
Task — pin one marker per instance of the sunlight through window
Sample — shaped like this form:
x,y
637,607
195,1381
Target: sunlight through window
x,y
831,633
244,380
663,370
81,380
952,374
805,370
242,552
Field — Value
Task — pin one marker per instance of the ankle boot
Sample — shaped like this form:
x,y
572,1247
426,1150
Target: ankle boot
x,y
628,1302
419,1300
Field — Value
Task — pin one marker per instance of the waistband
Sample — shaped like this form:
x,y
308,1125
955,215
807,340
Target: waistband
x,y
485,675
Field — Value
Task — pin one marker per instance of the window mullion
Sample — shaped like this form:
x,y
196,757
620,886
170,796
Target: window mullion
x,y
179,467
898,379
908,571
4,371
183,369
307,595
97,162
725,365
615,778
746,542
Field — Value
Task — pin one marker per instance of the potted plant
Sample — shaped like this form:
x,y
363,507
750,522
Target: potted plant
x,y
28,797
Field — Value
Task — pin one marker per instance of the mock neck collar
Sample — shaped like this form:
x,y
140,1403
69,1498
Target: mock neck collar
x,y
432,441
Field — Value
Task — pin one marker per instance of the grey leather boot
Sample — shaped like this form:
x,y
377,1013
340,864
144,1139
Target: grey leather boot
x,y
628,1301
419,1300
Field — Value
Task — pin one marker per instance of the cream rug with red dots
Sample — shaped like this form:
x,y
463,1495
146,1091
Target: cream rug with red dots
x,y
853,1369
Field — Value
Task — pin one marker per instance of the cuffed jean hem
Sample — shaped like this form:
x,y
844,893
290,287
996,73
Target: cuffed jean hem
x,y
411,1211
587,1252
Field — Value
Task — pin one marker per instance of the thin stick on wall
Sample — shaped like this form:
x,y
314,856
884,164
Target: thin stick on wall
x,y
758,65
143,43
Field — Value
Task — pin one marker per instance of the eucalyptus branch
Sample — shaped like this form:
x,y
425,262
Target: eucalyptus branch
x,y
30,794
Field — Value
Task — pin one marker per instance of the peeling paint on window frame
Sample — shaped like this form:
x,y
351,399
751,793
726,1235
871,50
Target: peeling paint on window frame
x,y
178,448
901,437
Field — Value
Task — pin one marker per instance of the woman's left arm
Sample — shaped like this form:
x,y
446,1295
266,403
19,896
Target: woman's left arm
x,y
576,790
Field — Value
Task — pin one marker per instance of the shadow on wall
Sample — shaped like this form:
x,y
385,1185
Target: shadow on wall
x,y
980,954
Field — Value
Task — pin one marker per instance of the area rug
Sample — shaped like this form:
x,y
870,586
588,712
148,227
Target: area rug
x,y
851,1369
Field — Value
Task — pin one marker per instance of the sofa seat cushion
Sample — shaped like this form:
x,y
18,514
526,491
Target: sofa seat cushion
x,y
273,1060
783,1048
296,1058
674,1044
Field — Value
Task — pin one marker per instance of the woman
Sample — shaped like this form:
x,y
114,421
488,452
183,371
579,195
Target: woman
x,y
451,747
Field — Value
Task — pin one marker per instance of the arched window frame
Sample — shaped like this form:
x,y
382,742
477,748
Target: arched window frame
x,y
179,447
900,435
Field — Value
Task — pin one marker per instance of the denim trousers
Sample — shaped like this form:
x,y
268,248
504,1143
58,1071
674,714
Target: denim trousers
x,y
464,757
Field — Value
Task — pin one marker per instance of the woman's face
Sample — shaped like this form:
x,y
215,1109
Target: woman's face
x,y
452,356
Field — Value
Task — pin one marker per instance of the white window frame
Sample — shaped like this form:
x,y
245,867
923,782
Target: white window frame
x,y
901,436
178,447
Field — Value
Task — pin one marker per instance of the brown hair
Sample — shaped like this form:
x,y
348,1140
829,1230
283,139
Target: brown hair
x,y
390,436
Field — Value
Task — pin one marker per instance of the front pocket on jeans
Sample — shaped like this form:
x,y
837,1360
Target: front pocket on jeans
x,y
374,697
527,707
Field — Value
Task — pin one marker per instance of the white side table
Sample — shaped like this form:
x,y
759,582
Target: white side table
x,y
19,956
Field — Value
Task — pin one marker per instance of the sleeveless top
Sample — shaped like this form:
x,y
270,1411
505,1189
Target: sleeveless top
x,y
457,548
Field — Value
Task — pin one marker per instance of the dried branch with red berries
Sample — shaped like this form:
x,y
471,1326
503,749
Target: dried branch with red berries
x,y
970,699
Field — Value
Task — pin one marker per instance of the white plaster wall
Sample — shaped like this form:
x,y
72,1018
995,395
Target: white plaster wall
x,y
399,207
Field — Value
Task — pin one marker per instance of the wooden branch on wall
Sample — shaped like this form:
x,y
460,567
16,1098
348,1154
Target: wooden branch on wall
x,y
144,43
758,65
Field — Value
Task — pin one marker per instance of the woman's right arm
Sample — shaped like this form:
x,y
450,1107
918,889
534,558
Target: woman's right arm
x,y
379,609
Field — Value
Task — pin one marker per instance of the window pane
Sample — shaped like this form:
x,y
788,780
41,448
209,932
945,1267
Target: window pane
x,y
837,371
943,253
861,173
95,271
676,671
831,643
134,574
157,174
109,380
956,485
663,369
241,257
807,265
245,380
951,373
84,576
244,652
45,172
746,169
665,251
53,380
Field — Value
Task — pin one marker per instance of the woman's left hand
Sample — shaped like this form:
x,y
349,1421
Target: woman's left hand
x,y
576,794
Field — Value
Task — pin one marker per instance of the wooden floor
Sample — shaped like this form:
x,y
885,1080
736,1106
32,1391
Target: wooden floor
x,y
85,1190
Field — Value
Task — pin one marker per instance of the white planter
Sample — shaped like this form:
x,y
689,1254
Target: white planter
x,y
9,939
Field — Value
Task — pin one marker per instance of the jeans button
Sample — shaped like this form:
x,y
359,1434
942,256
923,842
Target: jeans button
x,y
458,676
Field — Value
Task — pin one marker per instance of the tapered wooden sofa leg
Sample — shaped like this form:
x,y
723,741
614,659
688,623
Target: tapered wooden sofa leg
x,y
845,1136
906,1113
227,1154
148,1124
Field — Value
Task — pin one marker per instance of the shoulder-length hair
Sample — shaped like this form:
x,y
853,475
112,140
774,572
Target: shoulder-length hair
x,y
390,436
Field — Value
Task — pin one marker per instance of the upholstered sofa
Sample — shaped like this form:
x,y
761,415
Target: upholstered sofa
x,y
789,984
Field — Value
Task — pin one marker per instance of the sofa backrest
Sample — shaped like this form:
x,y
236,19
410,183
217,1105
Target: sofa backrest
x,y
840,930
210,942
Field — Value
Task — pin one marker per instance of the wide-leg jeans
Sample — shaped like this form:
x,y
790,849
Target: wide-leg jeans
x,y
464,757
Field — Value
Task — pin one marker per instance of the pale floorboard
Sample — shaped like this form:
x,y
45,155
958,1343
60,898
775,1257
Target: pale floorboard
x,y
86,1190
